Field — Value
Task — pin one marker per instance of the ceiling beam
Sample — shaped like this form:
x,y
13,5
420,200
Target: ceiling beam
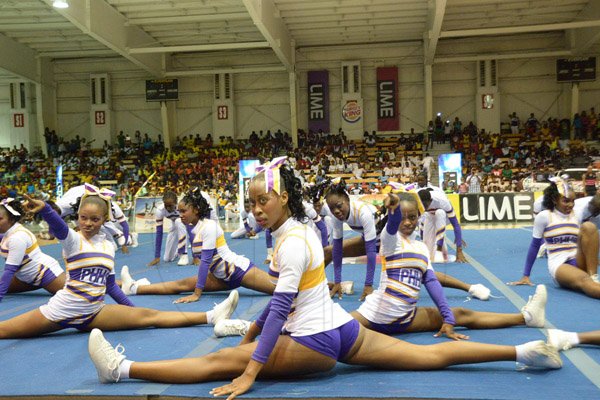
x,y
508,56
226,70
18,59
435,17
181,19
102,22
200,47
268,20
584,38
519,29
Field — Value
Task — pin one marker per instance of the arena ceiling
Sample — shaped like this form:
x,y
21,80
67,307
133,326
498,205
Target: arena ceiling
x,y
150,33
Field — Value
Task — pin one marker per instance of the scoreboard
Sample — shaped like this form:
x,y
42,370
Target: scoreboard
x,y
162,90
576,69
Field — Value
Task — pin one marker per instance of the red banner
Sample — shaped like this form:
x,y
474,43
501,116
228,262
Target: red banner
x,y
388,115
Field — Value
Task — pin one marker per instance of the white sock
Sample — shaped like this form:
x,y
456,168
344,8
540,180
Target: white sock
x,y
526,316
573,338
209,317
521,349
124,368
134,287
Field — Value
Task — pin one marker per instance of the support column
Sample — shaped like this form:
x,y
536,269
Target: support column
x,y
428,95
167,132
352,101
45,101
223,109
574,104
23,122
101,121
294,107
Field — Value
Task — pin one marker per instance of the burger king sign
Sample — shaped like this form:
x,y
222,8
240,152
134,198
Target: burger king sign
x,y
351,112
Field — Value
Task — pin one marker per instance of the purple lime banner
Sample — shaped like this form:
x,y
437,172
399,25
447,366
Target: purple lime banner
x,y
318,101
388,117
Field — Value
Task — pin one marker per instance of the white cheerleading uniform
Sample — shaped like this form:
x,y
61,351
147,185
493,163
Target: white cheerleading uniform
x,y
111,228
176,237
434,221
246,217
299,261
361,219
560,233
314,218
89,263
20,247
404,263
209,235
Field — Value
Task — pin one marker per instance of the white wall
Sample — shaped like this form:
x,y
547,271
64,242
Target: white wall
x,y
262,99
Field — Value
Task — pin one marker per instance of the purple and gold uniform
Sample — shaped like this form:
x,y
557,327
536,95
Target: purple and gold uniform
x,y
176,237
560,233
90,275
210,247
25,261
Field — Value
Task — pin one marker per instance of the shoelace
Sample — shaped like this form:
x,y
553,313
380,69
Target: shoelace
x,y
114,363
236,328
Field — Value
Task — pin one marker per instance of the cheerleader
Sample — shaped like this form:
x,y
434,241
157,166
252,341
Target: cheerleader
x,y
90,276
392,308
572,247
302,330
176,239
116,228
364,219
250,228
26,268
219,269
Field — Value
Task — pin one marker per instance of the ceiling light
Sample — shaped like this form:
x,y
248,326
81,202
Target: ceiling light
x,y
60,4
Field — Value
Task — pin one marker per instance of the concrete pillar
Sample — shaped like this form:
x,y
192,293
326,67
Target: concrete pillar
x,y
294,107
574,104
428,97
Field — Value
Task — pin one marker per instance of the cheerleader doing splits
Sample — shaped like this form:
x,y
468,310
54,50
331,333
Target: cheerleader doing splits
x,y
89,259
316,331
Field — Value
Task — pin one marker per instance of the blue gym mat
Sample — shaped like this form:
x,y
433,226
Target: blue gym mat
x,y
58,364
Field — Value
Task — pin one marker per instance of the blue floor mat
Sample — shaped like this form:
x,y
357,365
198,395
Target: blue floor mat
x,y
58,364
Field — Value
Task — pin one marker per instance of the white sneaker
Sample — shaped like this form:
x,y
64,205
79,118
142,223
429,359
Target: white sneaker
x,y
224,309
535,309
595,278
347,287
231,327
442,258
559,339
183,260
106,359
541,355
480,292
127,282
134,239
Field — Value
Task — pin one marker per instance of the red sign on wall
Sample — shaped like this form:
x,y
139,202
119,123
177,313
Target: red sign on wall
x,y
222,112
100,117
19,120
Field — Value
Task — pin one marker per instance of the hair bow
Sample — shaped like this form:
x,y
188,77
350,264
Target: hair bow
x,y
563,187
5,203
272,173
105,194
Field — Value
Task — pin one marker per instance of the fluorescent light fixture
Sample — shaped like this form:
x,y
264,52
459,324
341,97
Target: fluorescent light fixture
x,y
60,4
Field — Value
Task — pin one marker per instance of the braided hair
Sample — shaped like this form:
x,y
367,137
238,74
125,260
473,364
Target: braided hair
x,y
339,189
551,195
316,192
293,186
18,207
195,199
